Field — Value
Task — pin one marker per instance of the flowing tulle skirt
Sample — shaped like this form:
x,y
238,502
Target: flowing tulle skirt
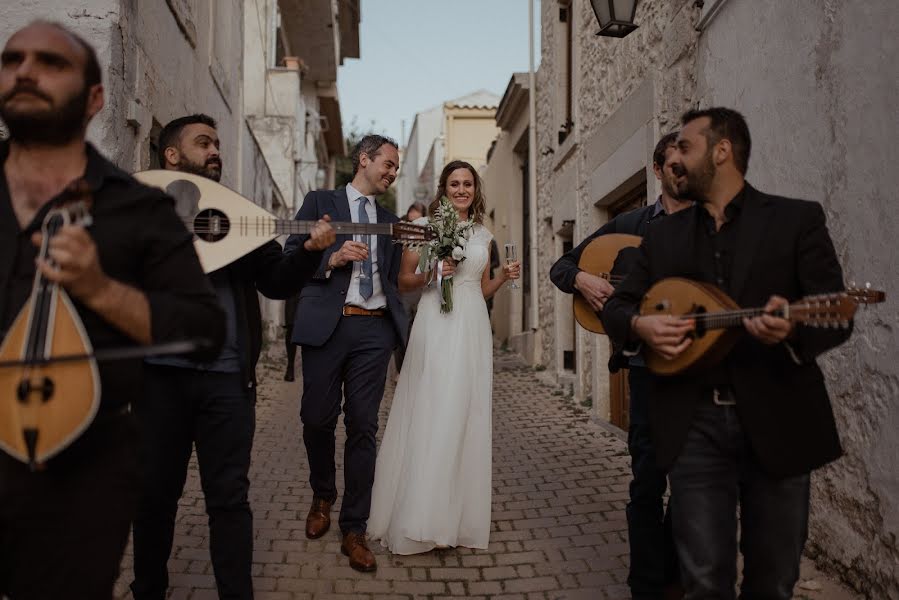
x,y
434,468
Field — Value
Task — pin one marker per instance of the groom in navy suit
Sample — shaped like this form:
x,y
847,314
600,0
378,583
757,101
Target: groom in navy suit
x,y
349,319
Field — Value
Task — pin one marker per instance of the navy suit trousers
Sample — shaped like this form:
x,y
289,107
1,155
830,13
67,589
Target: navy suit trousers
x,y
350,367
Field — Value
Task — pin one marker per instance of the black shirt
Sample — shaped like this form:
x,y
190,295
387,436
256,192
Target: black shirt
x,y
715,257
716,248
140,242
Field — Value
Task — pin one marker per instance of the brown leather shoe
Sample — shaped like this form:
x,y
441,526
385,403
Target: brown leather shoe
x,y
361,558
319,518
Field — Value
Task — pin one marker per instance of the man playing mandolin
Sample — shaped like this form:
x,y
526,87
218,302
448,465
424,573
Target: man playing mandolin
x,y
133,279
653,565
210,405
746,429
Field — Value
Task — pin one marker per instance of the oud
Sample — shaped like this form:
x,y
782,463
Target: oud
x,y
719,320
227,226
598,258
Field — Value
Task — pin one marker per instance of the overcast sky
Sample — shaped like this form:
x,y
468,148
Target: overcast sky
x,y
416,54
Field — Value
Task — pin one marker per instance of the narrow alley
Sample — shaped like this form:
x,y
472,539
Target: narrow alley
x,y
559,531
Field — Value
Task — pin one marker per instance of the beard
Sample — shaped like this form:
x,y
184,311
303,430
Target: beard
x,y
669,186
697,182
55,126
211,169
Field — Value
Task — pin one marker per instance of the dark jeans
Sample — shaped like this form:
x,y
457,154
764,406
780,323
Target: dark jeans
x,y
652,557
715,473
180,408
355,359
63,530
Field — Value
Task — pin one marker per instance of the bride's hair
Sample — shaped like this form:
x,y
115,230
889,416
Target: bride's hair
x,y
478,205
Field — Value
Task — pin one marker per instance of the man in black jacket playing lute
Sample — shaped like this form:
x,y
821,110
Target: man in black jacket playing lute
x,y
133,279
749,430
210,405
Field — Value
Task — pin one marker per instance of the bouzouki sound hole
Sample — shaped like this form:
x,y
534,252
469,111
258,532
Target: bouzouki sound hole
x,y
700,329
211,225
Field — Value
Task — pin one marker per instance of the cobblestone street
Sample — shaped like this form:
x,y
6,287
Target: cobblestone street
x,y
560,488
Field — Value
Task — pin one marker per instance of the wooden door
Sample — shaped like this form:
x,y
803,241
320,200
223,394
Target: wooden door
x,y
619,392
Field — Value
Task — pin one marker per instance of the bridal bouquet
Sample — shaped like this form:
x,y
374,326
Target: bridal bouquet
x,y
451,237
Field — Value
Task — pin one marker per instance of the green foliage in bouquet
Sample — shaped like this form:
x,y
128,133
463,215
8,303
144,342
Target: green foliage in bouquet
x,y
450,241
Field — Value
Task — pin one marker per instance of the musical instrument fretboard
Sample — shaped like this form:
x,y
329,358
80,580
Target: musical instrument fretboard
x,y
261,226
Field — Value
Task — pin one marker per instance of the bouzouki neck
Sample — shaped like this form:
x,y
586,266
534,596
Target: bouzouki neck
x,y
734,318
824,310
291,227
717,318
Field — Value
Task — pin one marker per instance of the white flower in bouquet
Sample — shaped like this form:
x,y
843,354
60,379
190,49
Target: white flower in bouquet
x,y
450,240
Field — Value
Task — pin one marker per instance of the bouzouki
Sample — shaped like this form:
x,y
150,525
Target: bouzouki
x,y
597,259
719,321
228,226
46,405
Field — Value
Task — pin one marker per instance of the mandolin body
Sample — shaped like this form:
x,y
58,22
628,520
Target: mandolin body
x,y
598,258
677,296
74,387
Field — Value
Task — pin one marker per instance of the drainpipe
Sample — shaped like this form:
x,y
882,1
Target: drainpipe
x,y
532,177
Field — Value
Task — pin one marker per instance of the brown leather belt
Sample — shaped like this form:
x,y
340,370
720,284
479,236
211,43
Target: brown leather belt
x,y
355,311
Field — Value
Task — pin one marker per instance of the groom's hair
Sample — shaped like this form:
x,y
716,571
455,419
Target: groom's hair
x,y
370,145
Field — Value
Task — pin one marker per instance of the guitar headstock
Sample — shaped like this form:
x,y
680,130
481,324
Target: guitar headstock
x,y
410,234
866,295
825,310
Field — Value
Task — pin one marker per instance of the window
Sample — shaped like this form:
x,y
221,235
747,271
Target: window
x,y
619,391
155,130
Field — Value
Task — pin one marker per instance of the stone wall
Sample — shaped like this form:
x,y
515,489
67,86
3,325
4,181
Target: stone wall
x,y
96,21
822,112
158,64
658,59
162,60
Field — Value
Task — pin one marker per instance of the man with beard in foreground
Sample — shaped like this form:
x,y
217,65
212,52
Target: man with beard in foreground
x,y
748,431
134,279
211,405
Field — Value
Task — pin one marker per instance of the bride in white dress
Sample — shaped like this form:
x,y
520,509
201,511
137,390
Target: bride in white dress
x,y
434,470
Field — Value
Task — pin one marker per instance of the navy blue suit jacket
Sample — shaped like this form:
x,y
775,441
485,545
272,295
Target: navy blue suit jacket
x,y
320,306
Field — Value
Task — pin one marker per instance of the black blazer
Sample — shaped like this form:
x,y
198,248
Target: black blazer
x,y
320,306
783,248
274,275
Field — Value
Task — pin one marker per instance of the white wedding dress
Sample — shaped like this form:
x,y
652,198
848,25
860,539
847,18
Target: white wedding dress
x,y
434,469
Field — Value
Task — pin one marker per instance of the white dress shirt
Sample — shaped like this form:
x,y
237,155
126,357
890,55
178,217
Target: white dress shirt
x,y
378,299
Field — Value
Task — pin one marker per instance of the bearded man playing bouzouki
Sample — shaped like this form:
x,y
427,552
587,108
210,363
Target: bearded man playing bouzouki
x,y
211,405
134,280
748,431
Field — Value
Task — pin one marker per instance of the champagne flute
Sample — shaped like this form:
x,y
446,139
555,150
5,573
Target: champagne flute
x,y
363,239
511,255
